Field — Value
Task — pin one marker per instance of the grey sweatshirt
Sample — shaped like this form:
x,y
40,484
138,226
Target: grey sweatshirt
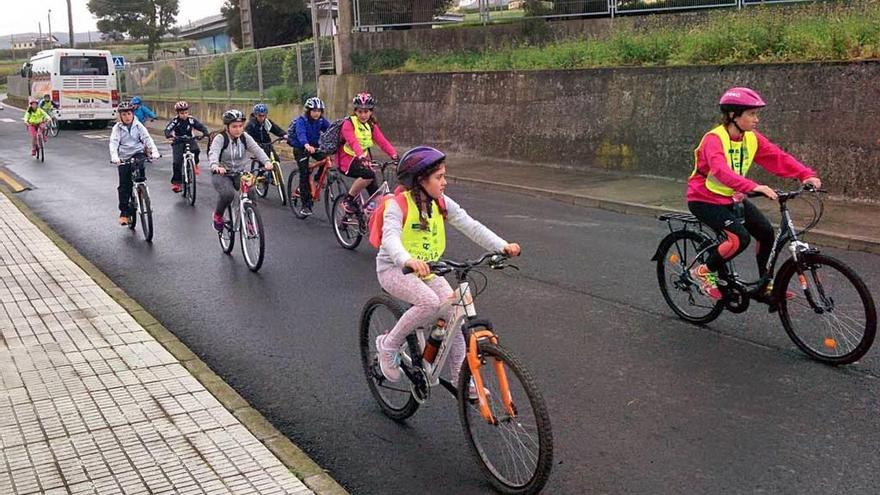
x,y
392,254
237,155
128,140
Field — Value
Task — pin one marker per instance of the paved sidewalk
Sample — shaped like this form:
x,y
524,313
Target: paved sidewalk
x,y
90,402
844,224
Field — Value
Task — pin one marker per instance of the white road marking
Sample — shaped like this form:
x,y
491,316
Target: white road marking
x,y
7,120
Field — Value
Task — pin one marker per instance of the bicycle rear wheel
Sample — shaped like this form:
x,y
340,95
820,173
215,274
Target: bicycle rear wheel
x,y
189,186
253,244
294,199
227,235
832,317
346,226
675,257
378,317
334,189
515,453
146,212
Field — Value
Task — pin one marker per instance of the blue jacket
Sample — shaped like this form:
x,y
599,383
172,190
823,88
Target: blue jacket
x,y
144,112
304,131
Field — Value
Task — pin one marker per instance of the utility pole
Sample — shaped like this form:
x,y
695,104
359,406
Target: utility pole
x,y
40,37
247,26
12,44
70,23
51,45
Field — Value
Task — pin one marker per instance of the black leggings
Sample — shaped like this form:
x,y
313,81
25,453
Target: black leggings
x,y
357,170
302,161
736,232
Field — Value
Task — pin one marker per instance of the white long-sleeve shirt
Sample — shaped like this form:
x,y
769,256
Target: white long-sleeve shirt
x,y
392,254
128,140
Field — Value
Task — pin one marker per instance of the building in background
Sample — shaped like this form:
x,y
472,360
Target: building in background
x,y
209,34
45,42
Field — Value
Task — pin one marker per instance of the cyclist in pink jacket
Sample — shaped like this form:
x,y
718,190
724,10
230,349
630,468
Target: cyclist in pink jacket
x,y
719,182
359,133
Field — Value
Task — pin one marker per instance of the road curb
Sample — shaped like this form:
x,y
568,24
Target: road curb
x,y
820,237
297,461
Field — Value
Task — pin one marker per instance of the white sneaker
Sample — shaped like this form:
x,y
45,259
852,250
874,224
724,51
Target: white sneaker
x,y
389,361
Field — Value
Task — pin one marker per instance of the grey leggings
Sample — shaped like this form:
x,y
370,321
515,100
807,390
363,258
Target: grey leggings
x,y
427,299
226,188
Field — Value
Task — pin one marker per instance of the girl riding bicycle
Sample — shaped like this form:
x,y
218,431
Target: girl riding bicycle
x,y
359,132
35,118
230,152
718,183
129,139
412,239
302,136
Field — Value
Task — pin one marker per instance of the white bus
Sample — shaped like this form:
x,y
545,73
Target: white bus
x,y
82,83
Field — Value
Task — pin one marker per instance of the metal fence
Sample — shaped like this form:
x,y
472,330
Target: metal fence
x,y
281,73
374,15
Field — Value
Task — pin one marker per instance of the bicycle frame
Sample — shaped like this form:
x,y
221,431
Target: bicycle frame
x,y
463,318
318,186
188,156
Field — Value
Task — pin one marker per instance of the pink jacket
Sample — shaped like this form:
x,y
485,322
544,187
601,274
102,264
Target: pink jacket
x,y
711,158
343,159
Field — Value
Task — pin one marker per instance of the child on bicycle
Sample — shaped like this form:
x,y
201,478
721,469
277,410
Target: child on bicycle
x,y
302,136
35,119
229,153
416,237
260,127
141,111
47,104
129,139
178,132
719,182
359,133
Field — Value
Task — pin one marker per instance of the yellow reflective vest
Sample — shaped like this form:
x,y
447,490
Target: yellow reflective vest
x,y
364,134
740,155
423,243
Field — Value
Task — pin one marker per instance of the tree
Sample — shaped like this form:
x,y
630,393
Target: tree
x,y
275,22
140,19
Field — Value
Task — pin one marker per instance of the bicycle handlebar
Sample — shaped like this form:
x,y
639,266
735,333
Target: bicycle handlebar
x,y
786,195
444,266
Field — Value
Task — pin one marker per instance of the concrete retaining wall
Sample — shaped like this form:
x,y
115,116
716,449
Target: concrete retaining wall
x,y
632,120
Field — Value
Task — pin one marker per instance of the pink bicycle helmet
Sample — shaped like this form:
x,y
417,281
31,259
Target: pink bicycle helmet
x,y
364,100
740,99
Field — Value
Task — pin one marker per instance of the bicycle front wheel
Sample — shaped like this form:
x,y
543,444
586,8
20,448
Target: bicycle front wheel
x,y
41,150
146,212
294,198
53,128
227,235
334,189
253,244
346,226
378,317
189,186
831,317
678,253
516,452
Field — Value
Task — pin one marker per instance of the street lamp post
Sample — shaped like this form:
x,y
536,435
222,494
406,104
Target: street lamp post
x,y
49,17
70,23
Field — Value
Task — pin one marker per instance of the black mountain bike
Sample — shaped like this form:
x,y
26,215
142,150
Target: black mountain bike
x,y
139,206
831,317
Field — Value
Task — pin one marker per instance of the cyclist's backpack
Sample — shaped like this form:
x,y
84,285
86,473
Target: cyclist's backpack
x,y
331,138
377,219
212,135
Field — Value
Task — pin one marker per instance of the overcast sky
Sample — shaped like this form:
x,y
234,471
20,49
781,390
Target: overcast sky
x,y
22,16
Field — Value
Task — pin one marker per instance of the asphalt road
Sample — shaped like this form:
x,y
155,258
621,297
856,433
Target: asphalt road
x,y
640,402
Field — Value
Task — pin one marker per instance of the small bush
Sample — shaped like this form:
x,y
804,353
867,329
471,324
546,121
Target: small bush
x,y
378,61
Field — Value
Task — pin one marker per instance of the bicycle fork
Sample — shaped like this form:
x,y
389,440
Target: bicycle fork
x,y
475,363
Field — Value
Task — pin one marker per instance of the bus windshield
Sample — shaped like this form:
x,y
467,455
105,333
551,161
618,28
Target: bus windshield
x,y
84,66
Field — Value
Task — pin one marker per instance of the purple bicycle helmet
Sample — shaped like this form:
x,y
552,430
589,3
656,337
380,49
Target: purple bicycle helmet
x,y
415,162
